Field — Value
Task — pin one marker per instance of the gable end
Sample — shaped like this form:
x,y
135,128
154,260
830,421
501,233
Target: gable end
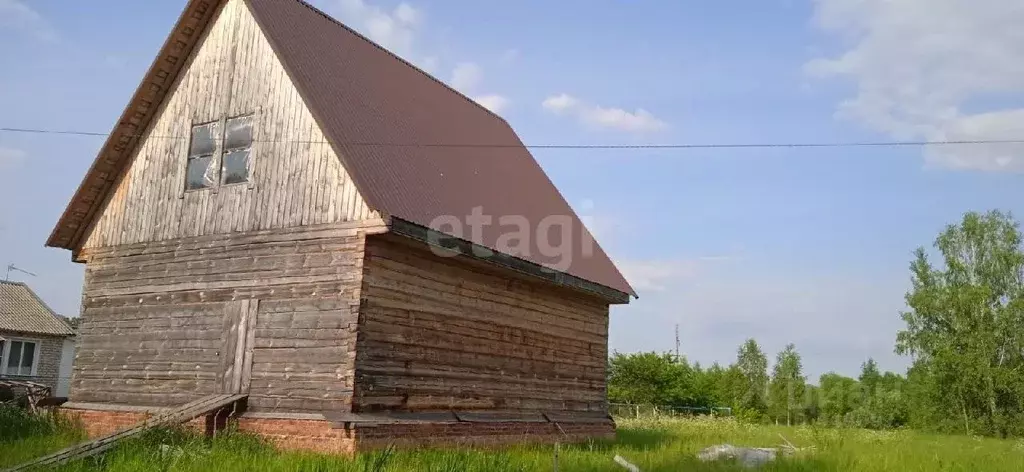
x,y
290,175
124,138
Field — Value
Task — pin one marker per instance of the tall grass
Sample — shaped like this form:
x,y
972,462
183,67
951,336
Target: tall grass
x,y
24,436
652,444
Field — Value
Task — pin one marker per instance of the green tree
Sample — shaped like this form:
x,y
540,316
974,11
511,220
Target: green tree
x,y
753,365
786,392
869,378
965,323
732,387
891,382
812,403
649,378
707,387
838,396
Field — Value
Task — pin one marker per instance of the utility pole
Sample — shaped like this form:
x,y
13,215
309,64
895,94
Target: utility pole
x,y
677,342
11,267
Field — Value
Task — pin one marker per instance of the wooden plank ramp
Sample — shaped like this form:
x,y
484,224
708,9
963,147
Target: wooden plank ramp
x,y
182,414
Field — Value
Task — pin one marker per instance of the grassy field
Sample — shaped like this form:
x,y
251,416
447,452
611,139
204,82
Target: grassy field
x,y
653,445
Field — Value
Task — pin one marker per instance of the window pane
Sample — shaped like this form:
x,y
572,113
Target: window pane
x,y
198,173
27,356
204,139
14,361
239,133
236,166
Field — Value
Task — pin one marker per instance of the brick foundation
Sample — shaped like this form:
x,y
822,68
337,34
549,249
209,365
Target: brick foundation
x,y
301,435
317,435
101,423
478,434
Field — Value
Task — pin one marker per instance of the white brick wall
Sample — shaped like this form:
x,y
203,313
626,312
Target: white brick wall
x,y
49,353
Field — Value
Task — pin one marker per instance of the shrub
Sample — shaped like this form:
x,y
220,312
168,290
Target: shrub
x,y
886,410
747,415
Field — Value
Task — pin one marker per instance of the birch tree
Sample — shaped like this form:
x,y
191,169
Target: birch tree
x,y
786,392
753,364
964,323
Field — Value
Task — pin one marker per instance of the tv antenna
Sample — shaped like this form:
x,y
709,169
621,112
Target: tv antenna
x,y
11,267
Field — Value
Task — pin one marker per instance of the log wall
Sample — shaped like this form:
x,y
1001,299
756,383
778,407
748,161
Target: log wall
x,y
445,333
154,318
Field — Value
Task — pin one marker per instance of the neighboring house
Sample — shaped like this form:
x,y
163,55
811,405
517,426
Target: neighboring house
x,y
35,343
266,216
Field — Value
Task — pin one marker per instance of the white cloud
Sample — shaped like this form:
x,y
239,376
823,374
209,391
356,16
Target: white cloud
x,y
638,121
396,30
18,16
466,76
407,14
935,70
560,103
998,125
10,158
495,103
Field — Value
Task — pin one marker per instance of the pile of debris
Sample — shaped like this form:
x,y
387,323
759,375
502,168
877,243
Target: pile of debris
x,y
26,394
747,457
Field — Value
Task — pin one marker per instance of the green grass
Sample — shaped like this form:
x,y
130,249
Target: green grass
x,y
653,445
24,436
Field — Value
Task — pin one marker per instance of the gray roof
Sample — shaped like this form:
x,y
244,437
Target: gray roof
x,y
21,310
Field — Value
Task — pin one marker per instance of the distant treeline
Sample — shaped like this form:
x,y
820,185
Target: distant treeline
x,y
964,331
874,400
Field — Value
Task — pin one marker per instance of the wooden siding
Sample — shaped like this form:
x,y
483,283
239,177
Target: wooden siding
x,y
154,317
297,179
444,333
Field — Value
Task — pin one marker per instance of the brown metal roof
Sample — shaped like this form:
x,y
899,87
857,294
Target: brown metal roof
x,y
24,312
416,148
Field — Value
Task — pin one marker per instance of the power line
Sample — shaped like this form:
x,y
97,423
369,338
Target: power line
x,y
50,131
849,144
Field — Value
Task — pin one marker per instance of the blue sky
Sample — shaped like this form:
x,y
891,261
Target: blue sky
x,y
809,246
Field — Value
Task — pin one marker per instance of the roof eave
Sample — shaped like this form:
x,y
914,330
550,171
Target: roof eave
x,y
434,238
123,139
16,333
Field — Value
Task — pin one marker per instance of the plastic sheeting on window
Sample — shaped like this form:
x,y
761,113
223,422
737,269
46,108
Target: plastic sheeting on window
x,y
219,158
238,133
204,140
199,173
236,167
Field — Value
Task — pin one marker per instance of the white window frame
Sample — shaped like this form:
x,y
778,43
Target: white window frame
x,y
6,355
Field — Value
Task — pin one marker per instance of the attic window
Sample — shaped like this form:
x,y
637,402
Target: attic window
x,y
200,171
237,147
219,153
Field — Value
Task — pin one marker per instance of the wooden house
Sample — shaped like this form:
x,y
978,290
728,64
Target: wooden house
x,y
282,211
